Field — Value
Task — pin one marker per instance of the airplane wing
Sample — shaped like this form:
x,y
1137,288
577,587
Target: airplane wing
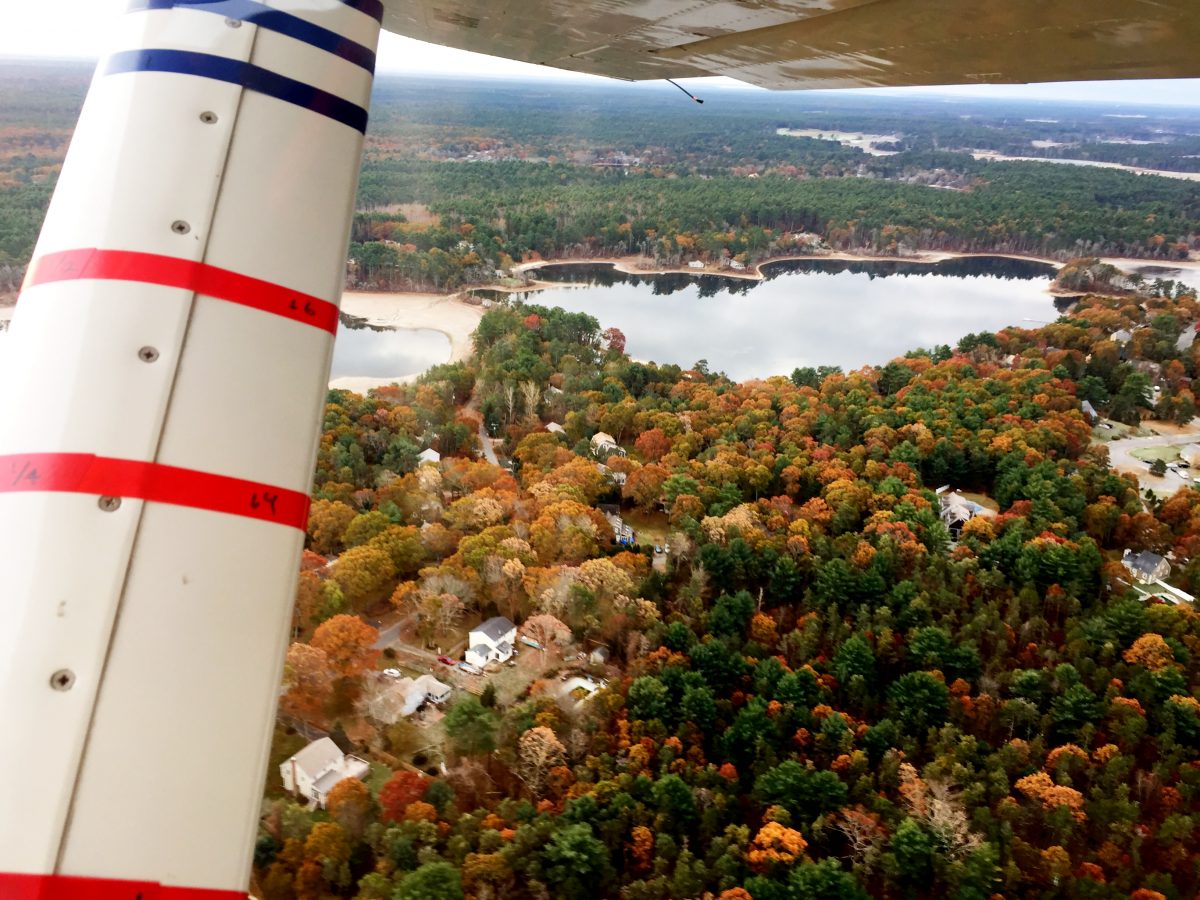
x,y
789,44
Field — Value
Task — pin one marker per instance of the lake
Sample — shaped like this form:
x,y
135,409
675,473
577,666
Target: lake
x,y
367,351
807,312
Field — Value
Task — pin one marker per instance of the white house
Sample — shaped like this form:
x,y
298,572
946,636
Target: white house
x,y
695,264
313,772
429,456
605,445
555,428
491,641
1191,455
1146,567
956,511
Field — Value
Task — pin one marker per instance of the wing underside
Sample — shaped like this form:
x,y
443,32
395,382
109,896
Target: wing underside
x,y
790,44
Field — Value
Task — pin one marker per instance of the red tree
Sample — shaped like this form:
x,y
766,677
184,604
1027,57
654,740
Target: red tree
x,y
400,790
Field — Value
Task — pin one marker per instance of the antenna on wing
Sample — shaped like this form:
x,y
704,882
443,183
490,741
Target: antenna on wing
x,y
685,90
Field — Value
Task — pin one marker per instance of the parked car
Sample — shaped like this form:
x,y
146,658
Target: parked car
x,y
658,549
445,659
392,673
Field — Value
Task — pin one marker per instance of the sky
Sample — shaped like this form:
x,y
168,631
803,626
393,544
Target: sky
x,y
36,29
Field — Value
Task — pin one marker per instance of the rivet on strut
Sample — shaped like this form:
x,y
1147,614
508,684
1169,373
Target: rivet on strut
x,y
62,680
147,354
109,504
233,23
180,227
208,117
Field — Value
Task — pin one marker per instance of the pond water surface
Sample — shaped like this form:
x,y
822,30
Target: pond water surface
x,y
808,312
365,351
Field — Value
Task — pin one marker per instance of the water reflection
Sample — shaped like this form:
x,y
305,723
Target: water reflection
x,y
806,312
370,351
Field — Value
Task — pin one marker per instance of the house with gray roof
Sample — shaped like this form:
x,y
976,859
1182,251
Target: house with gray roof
x,y
491,641
1146,567
314,771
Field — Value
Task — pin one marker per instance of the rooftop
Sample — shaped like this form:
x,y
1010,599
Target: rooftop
x,y
494,628
317,757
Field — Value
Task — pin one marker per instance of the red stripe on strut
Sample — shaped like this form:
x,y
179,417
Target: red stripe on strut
x,y
67,887
84,473
198,277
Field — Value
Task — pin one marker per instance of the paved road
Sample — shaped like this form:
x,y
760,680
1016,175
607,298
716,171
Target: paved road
x,y
1121,458
388,634
489,452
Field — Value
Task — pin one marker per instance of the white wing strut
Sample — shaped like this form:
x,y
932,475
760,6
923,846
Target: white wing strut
x,y
161,396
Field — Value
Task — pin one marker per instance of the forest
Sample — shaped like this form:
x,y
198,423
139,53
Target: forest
x,y
824,693
460,180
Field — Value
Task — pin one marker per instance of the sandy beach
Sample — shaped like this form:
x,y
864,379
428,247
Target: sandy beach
x,y
437,312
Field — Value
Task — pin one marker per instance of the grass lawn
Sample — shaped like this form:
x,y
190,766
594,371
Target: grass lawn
x,y
651,528
377,778
1149,454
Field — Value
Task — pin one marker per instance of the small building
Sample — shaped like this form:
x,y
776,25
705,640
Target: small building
x,y
1089,412
599,656
736,266
1146,567
1190,454
695,264
956,512
429,456
419,691
491,641
1122,336
605,445
314,771
623,533
555,428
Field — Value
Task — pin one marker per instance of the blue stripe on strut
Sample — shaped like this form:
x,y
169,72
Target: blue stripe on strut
x,y
234,71
273,20
373,8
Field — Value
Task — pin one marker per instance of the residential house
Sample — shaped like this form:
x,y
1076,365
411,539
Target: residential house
x,y
695,264
1146,567
1089,412
736,265
617,478
389,701
555,428
605,445
313,772
1191,455
957,511
491,641
429,456
623,534
1122,336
